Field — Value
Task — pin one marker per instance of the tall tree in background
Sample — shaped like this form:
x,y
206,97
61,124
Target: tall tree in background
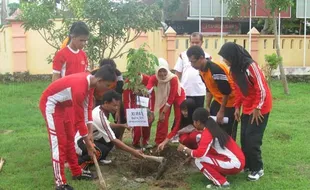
x,y
168,7
3,11
113,25
236,7
12,8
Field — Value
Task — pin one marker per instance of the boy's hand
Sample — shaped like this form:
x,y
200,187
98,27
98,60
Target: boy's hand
x,y
162,117
257,116
162,145
220,117
91,137
91,151
138,154
180,147
126,127
237,114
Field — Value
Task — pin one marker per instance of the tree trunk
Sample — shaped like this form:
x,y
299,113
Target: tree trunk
x,y
266,26
282,72
300,27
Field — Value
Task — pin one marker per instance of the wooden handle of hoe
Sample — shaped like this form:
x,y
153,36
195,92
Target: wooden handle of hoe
x,y
1,163
101,180
154,158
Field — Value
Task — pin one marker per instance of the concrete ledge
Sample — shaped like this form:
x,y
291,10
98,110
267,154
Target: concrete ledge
x,y
23,77
26,77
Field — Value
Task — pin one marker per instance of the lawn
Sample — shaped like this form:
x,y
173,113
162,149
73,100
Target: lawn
x,y
26,150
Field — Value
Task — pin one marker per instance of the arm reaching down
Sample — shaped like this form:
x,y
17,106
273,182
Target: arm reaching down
x,y
119,144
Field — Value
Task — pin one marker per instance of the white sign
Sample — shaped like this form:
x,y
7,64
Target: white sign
x,y
302,9
137,117
225,119
143,101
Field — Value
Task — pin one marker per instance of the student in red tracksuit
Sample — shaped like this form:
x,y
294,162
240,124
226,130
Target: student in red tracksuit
x,y
130,101
169,92
188,135
253,94
72,59
217,154
71,91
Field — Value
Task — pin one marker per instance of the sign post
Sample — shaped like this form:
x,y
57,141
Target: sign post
x,y
305,33
222,21
302,7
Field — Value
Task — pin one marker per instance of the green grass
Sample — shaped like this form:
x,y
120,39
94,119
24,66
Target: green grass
x,y
285,150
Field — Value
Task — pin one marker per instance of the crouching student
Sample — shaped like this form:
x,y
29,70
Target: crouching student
x,y
188,134
218,154
140,135
104,137
71,91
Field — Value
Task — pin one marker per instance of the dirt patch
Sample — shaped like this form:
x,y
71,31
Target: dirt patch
x,y
5,132
303,169
282,136
127,167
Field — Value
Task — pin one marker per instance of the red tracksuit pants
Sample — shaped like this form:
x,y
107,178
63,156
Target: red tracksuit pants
x,y
162,127
215,170
141,133
191,139
61,134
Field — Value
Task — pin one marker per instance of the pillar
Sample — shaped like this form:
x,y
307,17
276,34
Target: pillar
x,y
143,38
18,43
171,38
254,43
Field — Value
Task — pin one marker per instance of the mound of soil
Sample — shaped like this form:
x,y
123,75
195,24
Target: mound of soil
x,y
131,168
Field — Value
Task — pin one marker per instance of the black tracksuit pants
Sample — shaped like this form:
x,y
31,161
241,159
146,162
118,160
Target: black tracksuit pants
x,y
252,140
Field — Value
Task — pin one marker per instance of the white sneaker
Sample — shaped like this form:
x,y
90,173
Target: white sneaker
x,y
106,162
226,185
255,175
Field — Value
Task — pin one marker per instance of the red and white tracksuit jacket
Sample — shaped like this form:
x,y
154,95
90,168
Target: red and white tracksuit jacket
x,y
259,95
67,62
174,99
214,161
129,100
71,91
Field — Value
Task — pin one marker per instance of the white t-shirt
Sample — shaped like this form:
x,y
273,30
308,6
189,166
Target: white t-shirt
x,y
101,128
191,80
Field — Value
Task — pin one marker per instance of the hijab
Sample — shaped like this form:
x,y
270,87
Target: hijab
x,y
163,86
240,60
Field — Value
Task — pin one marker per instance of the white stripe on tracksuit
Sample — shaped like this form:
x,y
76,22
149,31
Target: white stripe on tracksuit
x,y
260,84
61,96
233,163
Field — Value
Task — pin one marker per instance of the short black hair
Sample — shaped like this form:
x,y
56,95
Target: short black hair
x,y
106,73
112,63
195,51
79,28
107,62
197,34
110,95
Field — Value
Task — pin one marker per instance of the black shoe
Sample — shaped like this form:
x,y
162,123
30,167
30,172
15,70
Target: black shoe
x,y
86,175
64,187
